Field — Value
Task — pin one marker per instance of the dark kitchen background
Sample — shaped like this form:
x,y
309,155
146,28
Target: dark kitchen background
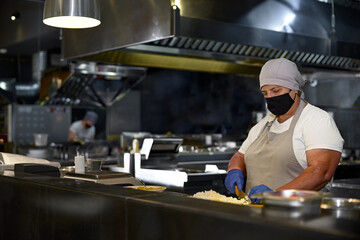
x,y
200,82
182,74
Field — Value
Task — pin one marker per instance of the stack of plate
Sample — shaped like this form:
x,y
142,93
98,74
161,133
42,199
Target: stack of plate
x,y
38,153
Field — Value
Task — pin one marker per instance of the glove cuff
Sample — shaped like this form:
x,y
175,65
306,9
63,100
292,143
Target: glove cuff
x,y
236,171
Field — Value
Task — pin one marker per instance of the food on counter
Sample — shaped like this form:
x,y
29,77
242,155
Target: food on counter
x,y
148,188
214,196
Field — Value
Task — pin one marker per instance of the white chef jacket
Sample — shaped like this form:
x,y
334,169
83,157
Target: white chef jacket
x,y
82,133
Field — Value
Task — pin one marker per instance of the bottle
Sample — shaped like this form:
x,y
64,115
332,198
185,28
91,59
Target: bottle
x,y
135,146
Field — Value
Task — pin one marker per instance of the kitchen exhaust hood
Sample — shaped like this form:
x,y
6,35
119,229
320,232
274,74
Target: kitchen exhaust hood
x,y
94,84
228,36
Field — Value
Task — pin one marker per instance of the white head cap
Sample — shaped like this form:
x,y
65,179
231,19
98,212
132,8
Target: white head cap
x,y
281,72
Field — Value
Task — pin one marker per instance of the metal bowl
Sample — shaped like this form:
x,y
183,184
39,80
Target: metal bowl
x,y
341,207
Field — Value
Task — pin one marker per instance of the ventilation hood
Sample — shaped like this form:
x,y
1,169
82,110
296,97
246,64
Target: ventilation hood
x,y
94,84
228,36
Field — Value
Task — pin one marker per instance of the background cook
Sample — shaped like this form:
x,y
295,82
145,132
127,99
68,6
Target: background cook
x,y
296,146
83,130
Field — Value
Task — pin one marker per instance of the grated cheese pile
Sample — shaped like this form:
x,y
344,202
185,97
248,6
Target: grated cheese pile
x,y
214,196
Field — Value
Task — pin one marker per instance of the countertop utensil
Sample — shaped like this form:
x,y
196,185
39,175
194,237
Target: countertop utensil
x,y
241,195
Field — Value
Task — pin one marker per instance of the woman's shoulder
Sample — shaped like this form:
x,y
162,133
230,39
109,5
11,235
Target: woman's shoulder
x,y
314,117
318,129
312,112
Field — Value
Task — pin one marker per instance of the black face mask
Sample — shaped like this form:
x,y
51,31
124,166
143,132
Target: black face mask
x,y
87,126
279,105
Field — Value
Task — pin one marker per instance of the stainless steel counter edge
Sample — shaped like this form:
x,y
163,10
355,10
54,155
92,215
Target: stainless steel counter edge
x,y
42,207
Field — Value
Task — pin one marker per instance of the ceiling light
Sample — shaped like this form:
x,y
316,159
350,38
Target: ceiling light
x,y
15,16
72,13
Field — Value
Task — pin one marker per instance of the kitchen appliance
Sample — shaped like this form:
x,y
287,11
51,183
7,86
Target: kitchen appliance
x,y
104,177
8,161
346,188
163,147
159,163
127,138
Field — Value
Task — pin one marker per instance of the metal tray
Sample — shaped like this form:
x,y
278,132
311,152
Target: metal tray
x,y
340,203
341,207
292,198
99,175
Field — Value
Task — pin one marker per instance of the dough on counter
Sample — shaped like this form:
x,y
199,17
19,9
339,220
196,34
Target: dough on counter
x,y
214,196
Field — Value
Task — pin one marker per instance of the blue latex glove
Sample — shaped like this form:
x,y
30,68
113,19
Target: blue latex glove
x,y
234,176
258,189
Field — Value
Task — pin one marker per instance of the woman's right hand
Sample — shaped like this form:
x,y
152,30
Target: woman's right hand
x,y
234,177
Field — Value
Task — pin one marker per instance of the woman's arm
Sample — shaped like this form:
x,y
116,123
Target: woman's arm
x,y
237,161
322,164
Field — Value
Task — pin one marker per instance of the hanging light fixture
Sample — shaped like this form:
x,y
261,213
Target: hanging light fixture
x,y
72,13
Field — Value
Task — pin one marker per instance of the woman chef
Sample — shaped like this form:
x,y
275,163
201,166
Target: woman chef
x,y
297,146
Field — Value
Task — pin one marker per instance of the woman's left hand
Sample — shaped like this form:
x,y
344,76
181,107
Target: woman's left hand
x,y
258,189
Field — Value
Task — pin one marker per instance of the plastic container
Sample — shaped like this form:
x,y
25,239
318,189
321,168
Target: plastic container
x,y
93,165
79,164
40,139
